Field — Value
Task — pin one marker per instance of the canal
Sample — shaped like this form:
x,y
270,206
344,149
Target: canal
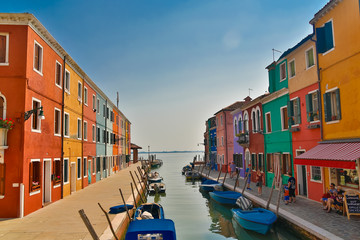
x,y
196,216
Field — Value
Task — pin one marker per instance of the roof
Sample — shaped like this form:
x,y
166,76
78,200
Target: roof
x,y
134,146
287,52
328,7
232,107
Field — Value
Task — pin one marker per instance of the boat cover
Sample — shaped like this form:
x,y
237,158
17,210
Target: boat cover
x,y
258,215
164,226
210,181
227,194
120,208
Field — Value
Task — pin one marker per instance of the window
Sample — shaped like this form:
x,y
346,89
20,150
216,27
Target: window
x,y
38,58
2,179
66,170
294,113
35,177
85,131
325,38
85,167
57,171
309,56
238,160
66,125
4,49
79,91
67,81
270,162
261,162
85,96
268,122
221,120
35,119
98,106
258,115
286,163
79,128
235,126
94,103
117,120
58,74
104,136
253,162
253,121
246,122
315,173
332,106
282,72
57,122
98,164
107,113
78,162
222,141
284,118
93,166
104,111
93,133
2,107
98,134
292,68
312,106
348,177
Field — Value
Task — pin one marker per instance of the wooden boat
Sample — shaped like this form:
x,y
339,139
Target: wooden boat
x,y
150,223
258,219
225,197
156,163
192,175
157,187
210,185
154,177
185,169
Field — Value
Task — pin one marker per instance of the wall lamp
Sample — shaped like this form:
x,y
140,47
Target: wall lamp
x,y
28,113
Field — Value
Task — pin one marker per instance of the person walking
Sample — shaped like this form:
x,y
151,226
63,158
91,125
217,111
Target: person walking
x,y
232,169
248,172
259,177
292,187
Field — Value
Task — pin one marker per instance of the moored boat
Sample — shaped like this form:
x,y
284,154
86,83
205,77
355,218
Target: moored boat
x,y
156,163
154,177
185,169
210,185
145,210
157,187
225,197
258,219
192,175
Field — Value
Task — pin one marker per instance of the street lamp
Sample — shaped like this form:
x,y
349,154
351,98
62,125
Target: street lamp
x,y
28,113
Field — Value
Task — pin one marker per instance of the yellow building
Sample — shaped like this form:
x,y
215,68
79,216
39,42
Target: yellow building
x,y
72,126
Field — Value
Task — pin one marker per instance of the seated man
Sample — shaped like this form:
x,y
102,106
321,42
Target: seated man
x,y
327,195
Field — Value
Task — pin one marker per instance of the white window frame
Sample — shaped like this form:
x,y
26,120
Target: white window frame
x,y
59,184
68,171
59,122
37,130
258,120
79,91
236,128
282,79
58,63
266,122
98,106
94,102
332,104
93,133
38,191
86,93
289,69
253,121
246,122
282,119
85,161
221,120
67,81
311,175
333,36
312,102
79,129
68,127
6,63
307,60
78,160
41,61
85,131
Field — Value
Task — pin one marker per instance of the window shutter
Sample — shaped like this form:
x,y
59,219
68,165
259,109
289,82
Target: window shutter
x,y
309,107
2,178
338,106
320,40
328,36
2,49
327,107
290,114
298,110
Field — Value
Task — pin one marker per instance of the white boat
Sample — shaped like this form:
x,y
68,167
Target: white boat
x,y
157,187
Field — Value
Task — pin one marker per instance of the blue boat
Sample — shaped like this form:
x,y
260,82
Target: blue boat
x,y
226,197
120,208
151,229
210,185
258,219
143,211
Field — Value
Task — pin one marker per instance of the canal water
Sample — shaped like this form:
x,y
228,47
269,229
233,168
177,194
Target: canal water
x,y
196,216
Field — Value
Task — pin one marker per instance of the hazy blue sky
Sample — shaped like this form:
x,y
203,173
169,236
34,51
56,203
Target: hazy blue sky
x,y
174,62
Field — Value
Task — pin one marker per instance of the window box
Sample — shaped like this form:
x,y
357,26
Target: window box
x,y
294,129
57,180
3,137
313,126
35,186
243,138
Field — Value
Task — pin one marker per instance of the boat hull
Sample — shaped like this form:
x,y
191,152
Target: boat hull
x,y
258,220
155,227
211,185
227,197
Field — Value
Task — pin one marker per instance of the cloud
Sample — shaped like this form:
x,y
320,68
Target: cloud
x,y
232,39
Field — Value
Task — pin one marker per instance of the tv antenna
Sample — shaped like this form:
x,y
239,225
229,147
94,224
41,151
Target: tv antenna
x,y
249,91
274,50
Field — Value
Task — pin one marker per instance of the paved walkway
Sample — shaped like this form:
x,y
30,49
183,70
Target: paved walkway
x,y
61,220
306,213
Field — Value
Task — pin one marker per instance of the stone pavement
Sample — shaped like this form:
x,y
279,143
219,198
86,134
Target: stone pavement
x,y
61,220
305,213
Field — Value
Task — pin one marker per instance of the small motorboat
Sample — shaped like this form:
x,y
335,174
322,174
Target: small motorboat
x,y
157,187
156,163
149,223
190,175
210,185
258,219
185,169
154,177
225,197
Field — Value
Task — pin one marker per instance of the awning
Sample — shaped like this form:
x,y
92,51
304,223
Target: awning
x,y
334,155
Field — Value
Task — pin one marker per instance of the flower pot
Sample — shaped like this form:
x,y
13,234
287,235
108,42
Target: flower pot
x,y
3,136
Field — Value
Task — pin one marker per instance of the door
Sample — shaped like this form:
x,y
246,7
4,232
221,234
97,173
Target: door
x,y
47,181
89,171
302,180
277,170
73,177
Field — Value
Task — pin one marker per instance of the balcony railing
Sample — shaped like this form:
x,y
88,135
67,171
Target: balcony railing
x,y
243,138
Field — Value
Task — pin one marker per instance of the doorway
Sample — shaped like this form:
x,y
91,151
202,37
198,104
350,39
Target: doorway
x,y
301,176
47,181
73,177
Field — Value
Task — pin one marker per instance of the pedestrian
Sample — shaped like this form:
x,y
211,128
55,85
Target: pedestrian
x,y
232,169
259,177
248,172
292,187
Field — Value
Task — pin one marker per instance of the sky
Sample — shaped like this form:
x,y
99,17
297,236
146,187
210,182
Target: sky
x,y
174,62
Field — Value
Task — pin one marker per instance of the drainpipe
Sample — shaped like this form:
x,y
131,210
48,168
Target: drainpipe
x,y
226,149
106,132
62,130
319,80
82,137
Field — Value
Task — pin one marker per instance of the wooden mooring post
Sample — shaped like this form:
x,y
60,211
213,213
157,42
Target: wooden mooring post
x,y
245,183
88,225
237,179
271,192
109,221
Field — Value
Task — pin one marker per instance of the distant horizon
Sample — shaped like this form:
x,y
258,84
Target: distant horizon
x,y
173,151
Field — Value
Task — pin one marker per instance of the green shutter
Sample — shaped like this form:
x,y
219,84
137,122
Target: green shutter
x,y
328,36
338,106
309,107
290,113
320,39
327,107
298,110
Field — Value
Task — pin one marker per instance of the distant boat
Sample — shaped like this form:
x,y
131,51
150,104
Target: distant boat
x,y
157,187
258,219
156,163
192,175
154,177
210,185
225,197
185,169
150,223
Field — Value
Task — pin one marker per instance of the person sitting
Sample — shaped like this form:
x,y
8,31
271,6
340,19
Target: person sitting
x,y
330,201
339,202
327,195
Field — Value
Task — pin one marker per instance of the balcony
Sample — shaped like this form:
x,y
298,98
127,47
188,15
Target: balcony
x,y
243,139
